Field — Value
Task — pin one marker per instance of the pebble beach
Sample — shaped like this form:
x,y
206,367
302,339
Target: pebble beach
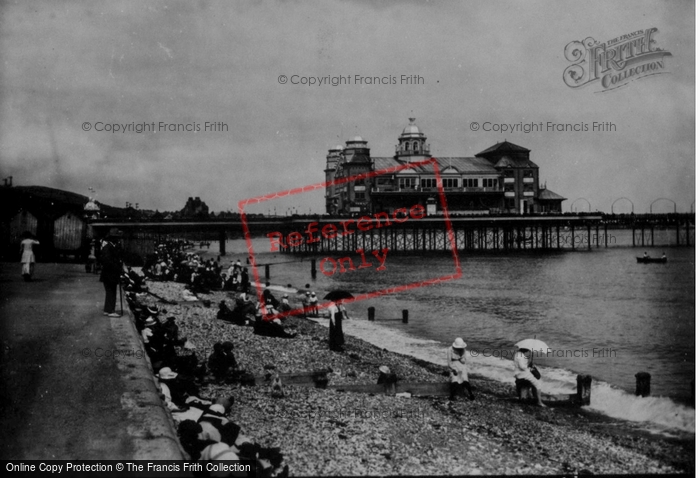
x,y
324,432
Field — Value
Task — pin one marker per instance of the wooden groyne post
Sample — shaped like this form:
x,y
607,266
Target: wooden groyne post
x,y
404,316
370,314
643,384
222,242
583,390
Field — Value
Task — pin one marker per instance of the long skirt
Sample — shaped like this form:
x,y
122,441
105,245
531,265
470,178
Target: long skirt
x,y
336,338
27,269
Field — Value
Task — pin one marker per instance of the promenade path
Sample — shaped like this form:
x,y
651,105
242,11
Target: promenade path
x,y
74,384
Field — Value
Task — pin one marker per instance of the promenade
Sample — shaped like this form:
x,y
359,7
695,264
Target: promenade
x,y
74,383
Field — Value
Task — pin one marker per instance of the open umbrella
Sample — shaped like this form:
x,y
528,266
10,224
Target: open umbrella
x,y
336,295
533,344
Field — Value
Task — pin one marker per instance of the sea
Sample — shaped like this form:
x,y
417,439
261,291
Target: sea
x,y
599,312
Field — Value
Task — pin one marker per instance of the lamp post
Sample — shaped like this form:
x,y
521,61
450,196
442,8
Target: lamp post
x,y
612,207
662,199
584,199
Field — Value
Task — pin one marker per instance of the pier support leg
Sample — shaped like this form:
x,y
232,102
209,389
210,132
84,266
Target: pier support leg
x,y
313,268
404,318
267,271
605,231
589,237
370,314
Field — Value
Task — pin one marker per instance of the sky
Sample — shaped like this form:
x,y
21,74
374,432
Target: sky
x,y
70,69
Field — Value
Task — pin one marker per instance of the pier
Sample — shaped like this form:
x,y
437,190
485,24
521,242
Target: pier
x,y
428,234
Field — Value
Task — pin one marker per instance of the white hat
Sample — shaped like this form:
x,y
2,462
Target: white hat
x,y
385,370
166,373
459,344
217,408
149,322
218,452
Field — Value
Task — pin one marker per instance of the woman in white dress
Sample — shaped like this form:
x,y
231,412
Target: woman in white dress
x,y
28,259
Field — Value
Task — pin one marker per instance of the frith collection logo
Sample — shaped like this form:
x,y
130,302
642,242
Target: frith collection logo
x,y
616,62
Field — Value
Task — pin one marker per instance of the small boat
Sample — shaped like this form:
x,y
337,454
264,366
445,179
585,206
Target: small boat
x,y
652,260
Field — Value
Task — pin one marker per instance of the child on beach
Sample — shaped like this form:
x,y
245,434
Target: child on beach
x,y
28,260
313,303
457,361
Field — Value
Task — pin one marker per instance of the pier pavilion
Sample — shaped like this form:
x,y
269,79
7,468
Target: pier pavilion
x,y
499,179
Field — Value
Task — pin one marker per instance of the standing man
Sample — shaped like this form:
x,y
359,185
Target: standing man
x,y
110,258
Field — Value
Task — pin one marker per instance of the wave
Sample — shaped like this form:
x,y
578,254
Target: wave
x,y
654,414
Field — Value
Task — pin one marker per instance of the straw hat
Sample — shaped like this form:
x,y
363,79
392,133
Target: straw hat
x,y
166,373
459,343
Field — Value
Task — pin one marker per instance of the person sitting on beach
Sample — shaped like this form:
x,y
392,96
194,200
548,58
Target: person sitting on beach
x,y
386,375
284,305
172,332
269,308
180,387
222,363
189,432
645,255
523,361
226,314
215,424
271,328
457,361
245,280
147,331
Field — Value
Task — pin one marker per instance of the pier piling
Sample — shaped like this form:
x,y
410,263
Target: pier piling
x,y
370,314
404,313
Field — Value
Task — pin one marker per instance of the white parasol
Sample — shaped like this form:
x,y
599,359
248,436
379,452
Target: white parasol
x,y
535,345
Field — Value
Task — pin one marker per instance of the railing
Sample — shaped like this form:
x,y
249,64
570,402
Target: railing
x,y
396,189
425,149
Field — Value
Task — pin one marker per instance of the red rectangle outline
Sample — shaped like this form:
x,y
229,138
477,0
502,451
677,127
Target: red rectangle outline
x,y
390,290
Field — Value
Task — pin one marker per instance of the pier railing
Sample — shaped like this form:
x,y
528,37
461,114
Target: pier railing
x,y
471,233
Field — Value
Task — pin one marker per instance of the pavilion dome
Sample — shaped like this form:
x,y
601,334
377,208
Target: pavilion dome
x,y
412,130
91,206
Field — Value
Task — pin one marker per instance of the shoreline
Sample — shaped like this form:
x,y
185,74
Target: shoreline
x,y
325,432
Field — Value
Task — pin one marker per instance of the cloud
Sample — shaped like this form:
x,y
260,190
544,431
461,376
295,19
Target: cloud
x,y
192,62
